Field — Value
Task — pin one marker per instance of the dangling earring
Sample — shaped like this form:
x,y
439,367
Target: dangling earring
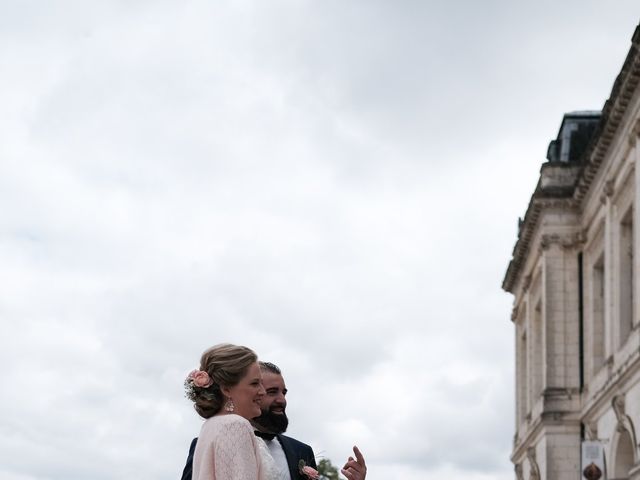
x,y
229,406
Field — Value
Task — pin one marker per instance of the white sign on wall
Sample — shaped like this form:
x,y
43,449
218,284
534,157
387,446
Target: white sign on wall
x,y
593,461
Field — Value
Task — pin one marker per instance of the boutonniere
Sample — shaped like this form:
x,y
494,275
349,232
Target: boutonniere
x,y
308,471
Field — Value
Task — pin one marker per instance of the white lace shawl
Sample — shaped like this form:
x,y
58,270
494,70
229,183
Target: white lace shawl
x,y
227,449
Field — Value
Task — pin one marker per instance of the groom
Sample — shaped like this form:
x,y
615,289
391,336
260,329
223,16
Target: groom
x,y
286,451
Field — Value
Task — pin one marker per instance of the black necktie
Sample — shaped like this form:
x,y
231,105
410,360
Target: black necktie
x,y
266,436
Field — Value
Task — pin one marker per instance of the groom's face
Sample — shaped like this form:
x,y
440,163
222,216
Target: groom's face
x,y
274,404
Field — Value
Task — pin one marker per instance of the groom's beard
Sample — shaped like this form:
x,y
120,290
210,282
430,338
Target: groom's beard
x,y
272,422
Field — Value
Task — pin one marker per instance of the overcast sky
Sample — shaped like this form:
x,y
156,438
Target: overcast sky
x,y
334,183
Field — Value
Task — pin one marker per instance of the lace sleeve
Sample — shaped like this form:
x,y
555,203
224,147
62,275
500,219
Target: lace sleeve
x,y
270,470
235,456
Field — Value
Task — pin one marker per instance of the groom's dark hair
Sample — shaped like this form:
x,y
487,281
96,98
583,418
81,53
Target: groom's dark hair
x,y
270,367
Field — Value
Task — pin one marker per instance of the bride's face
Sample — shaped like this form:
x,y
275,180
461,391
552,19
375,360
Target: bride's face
x,y
247,394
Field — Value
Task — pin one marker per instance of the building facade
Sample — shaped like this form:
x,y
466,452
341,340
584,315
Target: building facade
x,y
574,276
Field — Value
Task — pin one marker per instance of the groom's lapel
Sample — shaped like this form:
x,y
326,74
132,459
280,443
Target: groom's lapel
x,y
292,455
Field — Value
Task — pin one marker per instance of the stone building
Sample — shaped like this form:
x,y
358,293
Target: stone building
x,y
574,276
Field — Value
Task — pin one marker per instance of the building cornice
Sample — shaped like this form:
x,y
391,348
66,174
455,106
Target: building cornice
x,y
542,198
574,193
613,113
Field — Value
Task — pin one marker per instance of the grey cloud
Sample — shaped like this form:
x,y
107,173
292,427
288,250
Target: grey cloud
x,y
335,185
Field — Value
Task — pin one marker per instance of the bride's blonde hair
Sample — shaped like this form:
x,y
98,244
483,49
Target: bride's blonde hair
x,y
226,364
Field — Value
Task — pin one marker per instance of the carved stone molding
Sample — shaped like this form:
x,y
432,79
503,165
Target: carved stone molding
x,y
564,203
514,314
584,234
618,404
566,241
534,471
591,430
607,191
581,237
548,240
624,422
519,472
608,188
635,134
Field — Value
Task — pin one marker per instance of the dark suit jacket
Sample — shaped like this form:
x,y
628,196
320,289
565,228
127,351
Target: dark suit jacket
x,y
293,450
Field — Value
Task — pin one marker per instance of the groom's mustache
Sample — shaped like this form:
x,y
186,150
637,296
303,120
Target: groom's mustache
x,y
276,409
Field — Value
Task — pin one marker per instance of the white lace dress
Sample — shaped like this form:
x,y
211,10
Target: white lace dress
x,y
227,449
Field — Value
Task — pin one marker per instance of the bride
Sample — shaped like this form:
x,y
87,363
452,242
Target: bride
x,y
227,391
